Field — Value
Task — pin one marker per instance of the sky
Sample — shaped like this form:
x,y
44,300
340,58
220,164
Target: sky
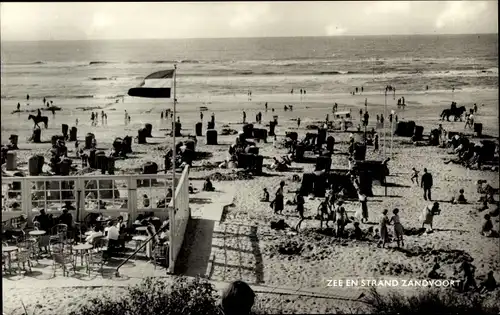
x,y
132,20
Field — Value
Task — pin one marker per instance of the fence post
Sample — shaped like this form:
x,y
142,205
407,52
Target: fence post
x,y
132,199
26,197
80,187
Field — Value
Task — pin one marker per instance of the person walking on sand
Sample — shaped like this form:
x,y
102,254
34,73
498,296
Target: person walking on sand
x,y
414,175
299,199
341,219
398,227
426,184
384,233
362,212
427,216
277,203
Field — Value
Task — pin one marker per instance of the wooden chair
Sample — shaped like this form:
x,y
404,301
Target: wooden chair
x,y
63,260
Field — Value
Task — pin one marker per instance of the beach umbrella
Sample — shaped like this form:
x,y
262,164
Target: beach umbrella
x,y
159,85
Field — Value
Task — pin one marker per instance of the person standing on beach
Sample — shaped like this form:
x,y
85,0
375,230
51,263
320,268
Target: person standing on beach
x,y
161,115
475,108
291,92
426,184
360,115
92,118
382,119
427,216
304,91
398,227
213,119
244,117
201,116
44,100
18,106
356,90
298,122
265,106
277,203
102,117
27,97
362,213
76,122
366,118
299,199
126,117
375,142
384,233
361,89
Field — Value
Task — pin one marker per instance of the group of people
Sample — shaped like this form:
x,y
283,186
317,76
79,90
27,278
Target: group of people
x,y
94,118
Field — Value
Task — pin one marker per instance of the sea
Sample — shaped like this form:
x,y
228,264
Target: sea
x,y
99,70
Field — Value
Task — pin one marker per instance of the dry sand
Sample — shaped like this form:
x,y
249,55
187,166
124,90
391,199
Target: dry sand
x,y
323,258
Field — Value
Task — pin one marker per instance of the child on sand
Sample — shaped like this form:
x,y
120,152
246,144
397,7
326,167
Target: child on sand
x,y
398,227
414,175
265,197
299,199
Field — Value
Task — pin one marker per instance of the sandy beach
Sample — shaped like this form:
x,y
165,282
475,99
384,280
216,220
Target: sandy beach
x,y
456,231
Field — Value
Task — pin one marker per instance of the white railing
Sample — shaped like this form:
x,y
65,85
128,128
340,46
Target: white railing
x,y
111,195
179,218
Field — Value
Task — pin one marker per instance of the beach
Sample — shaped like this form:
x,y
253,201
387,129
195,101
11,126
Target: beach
x,y
323,257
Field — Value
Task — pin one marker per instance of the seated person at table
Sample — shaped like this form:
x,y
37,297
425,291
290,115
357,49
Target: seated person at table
x,y
66,218
139,219
113,235
164,234
122,230
68,205
96,232
44,220
207,186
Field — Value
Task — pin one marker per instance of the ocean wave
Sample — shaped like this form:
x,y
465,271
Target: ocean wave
x,y
102,78
100,62
23,63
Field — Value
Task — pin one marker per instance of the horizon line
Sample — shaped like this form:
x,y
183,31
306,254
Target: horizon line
x,y
245,37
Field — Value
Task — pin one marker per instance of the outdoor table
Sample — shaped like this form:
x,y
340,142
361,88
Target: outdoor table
x,y
141,229
81,248
9,250
37,234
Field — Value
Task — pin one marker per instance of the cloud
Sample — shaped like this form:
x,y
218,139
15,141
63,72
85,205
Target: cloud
x,y
334,30
460,12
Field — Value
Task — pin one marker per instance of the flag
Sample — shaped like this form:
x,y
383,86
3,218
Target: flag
x,y
155,85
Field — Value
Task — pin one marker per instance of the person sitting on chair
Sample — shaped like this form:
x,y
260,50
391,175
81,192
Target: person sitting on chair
x,y
66,218
207,186
113,236
96,232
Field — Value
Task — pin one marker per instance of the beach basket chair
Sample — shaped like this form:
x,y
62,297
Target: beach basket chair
x,y
63,260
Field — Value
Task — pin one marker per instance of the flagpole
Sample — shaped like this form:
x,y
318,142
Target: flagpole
x,y
384,123
174,121
392,129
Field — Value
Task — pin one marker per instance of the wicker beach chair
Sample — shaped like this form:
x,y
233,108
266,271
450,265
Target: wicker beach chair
x,y
96,259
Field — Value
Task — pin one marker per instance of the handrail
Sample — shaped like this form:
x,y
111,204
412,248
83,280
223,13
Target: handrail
x,y
117,273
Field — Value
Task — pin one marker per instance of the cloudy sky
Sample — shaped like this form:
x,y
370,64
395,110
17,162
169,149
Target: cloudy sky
x,y
76,21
